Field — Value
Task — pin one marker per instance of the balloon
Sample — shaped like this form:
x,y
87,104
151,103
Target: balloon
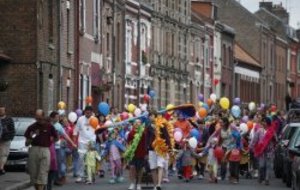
x,y
126,135
202,112
250,125
193,142
251,106
262,106
213,97
178,129
89,99
236,111
200,104
219,153
205,106
137,112
245,119
178,136
201,97
108,123
243,128
130,115
61,105
79,112
144,107
224,103
216,82
237,101
93,121
152,93
195,133
131,108
209,102
72,117
103,108
61,112
124,116
146,97
273,108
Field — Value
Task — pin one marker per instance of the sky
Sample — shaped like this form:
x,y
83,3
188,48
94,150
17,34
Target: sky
x,y
293,7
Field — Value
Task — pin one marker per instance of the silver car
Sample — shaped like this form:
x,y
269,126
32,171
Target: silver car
x,y
18,153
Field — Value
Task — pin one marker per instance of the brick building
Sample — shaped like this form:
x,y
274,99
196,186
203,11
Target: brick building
x,y
38,36
256,38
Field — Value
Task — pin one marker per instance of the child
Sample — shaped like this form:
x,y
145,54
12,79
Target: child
x,y
91,159
113,149
212,161
234,157
186,156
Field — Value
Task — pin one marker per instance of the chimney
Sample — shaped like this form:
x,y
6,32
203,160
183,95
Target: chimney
x,y
281,12
267,5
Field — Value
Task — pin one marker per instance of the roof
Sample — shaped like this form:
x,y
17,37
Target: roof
x,y
241,55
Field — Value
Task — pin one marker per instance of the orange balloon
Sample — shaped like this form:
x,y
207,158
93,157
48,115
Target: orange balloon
x,y
93,121
209,102
89,99
202,112
250,125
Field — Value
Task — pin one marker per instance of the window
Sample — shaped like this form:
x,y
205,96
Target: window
x,y
159,93
107,44
96,20
298,62
50,21
50,93
82,23
68,27
167,92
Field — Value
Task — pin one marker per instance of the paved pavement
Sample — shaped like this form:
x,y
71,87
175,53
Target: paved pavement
x,y
245,184
14,181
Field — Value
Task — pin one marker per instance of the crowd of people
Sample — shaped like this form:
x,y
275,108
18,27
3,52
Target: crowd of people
x,y
225,143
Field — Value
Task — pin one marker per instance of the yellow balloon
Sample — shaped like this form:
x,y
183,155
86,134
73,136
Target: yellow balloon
x,y
170,106
61,105
200,104
224,103
131,108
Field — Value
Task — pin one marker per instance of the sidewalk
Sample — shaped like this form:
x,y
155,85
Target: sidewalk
x,y
14,181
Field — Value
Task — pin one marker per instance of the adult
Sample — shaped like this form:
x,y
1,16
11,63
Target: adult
x,y
161,145
7,128
85,133
184,125
39,135
225,142
61,148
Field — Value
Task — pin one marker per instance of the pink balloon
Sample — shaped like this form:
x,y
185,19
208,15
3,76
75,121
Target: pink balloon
x,y
124,116
178,136
108,123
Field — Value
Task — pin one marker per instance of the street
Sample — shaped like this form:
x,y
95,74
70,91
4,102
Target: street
x,y
245,184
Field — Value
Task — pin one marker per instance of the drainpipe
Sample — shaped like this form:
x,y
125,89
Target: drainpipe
x,y
76,83
139,53
59,93
113,53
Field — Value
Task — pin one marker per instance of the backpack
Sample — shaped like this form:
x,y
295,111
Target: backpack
x,y
8,129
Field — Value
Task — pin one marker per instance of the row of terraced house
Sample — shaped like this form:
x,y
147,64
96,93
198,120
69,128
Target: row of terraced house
x,y
118,50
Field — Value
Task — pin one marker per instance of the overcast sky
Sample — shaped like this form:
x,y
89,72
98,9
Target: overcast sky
x,y
293,7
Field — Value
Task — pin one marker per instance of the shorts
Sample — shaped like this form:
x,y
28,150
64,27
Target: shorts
x,y
4,150
39,164
156,161
138,163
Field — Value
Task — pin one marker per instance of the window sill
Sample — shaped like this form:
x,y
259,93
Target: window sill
x,y
51,46
69,53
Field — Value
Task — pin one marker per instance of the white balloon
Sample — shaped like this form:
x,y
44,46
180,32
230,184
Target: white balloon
x,y
193,142
178,136
243,128
137,112
251,106
213,97
144,107
72,117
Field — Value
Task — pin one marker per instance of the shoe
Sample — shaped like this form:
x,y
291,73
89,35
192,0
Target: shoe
x,y
131,187
101,174
200,177
154,188
166,180
88,183
120,179
79,180
219,178
187,180
267,182
2,172
255,175
112,181
158,188
138,187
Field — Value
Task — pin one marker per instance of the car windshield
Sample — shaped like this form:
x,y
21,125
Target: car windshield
x,y
21,126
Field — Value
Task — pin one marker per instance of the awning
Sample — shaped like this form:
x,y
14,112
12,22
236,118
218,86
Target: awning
x,y
247,72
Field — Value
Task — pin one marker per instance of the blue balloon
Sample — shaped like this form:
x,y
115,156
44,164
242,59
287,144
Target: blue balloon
x,y
103,108
236,111
205,106
201,98
152,93
195,133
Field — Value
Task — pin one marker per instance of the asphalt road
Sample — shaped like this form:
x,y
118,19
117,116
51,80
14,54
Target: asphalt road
x,y
245,184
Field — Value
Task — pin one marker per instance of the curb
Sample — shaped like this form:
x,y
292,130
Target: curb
x,y
19,186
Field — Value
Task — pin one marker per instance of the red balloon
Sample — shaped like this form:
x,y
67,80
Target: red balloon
x,y
219,153
146,97
273,108
216,82
89,100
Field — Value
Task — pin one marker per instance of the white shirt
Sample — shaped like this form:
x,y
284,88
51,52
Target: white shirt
x,y
85,133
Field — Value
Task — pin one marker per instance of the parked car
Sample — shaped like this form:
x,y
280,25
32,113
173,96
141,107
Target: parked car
x,y
18,153
294,152
281,150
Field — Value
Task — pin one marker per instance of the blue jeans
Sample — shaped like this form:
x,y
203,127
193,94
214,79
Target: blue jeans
x,y
61,162
75,158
